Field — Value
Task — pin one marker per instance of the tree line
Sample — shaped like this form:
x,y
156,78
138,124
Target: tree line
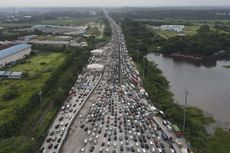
x,y
206,42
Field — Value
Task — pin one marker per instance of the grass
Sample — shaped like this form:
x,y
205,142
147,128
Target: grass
x,y
226,66
188,30
219,143
97,31
191,30
165,33
38,69
67,22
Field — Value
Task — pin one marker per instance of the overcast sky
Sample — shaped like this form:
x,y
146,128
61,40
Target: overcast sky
x,y
153,3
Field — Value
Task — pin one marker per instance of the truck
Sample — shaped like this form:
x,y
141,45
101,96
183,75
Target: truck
x,y
176,130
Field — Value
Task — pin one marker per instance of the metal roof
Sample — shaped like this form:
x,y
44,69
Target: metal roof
x,y
12,50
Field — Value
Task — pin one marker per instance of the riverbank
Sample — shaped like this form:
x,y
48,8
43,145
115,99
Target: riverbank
x,y
189,57
157,87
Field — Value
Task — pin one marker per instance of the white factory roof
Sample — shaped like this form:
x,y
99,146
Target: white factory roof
x,y
95,66
97,51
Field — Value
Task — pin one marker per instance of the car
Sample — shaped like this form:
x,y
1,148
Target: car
x,y
153,150
143,150
132,149
56,146
159,150
50,146
86,129
82,150
54,139
91,149
101,150
51,133
103,144
171,150
57,126
164,122
59,140
85,141
61,118
164,136
121,148
82,126
48,140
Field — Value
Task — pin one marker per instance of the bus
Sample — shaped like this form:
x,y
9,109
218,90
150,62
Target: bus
x,y
177,131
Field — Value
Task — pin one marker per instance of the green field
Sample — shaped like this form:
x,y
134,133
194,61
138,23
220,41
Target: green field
x,y
37,69
219,143
189,30
226,66
69,21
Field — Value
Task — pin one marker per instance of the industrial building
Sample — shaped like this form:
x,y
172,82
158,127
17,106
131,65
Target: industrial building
x,y
11,75
14,53
175,28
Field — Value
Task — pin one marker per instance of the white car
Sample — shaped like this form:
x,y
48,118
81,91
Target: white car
x,y
153,150
82,150
159,150
171,150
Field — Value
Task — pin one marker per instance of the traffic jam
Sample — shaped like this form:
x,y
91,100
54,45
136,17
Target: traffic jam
x,y
107,110
85,83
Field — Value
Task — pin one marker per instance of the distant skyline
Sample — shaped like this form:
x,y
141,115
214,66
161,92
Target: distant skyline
x,y
115,3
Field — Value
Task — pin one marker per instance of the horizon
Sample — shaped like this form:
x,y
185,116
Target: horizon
x,y
114,3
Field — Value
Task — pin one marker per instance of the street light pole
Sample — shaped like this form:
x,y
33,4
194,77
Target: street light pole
x,y
185,107
137,51
144,69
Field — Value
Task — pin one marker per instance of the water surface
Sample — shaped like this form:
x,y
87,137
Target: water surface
x,y
207,82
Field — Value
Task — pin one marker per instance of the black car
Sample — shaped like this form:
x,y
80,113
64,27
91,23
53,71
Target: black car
x,y
50,146
121,148
56,146
48,140
91,149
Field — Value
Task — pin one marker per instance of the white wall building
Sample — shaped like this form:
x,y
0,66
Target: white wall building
x,y
14,53
176,28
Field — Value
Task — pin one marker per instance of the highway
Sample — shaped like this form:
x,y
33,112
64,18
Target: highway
x,y
107,110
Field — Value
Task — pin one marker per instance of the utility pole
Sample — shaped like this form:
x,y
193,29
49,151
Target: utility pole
x,y
40,96
185,107
144,70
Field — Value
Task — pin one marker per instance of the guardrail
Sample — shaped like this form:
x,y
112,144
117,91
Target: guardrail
x,y
76,113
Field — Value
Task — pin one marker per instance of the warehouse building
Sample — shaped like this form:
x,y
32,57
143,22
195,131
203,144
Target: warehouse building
x,y
11,75
14,53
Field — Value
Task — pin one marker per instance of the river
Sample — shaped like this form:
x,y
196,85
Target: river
x,y
207,82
